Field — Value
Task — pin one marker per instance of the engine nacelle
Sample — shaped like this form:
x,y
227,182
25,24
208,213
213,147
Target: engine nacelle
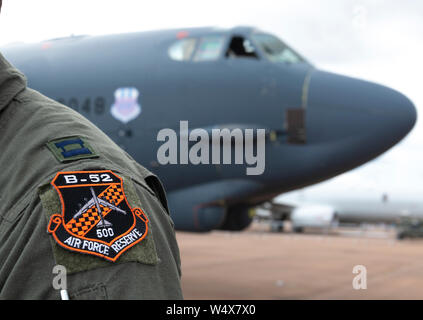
x,y
314,216
205,207
197,208
237,218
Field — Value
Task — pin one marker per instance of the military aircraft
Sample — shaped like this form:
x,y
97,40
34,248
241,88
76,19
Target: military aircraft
x,y
317,124
349,199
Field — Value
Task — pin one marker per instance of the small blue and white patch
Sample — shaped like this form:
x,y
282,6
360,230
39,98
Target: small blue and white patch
x,y
126,106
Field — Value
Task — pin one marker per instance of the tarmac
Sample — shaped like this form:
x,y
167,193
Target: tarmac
x,y
258,264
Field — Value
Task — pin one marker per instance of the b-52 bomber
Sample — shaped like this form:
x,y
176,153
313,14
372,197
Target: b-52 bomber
x,y
164,96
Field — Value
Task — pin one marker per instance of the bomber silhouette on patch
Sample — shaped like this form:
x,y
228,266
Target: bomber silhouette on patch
x,y
96,217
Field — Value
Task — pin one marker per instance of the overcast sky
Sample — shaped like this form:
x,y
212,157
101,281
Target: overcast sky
x,y
376,40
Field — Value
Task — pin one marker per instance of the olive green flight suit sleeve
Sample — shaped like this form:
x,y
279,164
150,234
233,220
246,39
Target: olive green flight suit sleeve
x,y
148,270
29,123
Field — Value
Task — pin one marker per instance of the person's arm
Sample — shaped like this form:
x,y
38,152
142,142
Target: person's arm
x,y
147,268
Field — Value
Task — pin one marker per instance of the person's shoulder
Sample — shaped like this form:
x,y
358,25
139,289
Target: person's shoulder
x,y
51,137
102,211
45,111
55,129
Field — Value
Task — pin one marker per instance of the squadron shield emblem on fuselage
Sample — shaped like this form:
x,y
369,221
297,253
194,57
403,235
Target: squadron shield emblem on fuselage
x,y
96,217
126,106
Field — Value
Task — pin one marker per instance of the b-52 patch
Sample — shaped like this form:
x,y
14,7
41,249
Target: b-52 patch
x,y
96,217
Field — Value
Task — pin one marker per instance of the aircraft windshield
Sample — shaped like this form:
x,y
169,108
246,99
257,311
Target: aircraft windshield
x,y
209,48
202,49
275,50
182,50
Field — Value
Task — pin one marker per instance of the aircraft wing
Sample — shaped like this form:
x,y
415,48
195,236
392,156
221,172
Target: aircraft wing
x,y
303,213
84,208
275,210
109,205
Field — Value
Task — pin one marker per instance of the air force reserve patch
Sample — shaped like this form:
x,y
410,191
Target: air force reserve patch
x,y
96,217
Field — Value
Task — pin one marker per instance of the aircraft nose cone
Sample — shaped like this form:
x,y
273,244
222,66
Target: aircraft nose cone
x,y
352,121
357,110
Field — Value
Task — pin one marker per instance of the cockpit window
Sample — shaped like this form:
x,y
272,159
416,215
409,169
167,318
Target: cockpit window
x,y
240,47
182,49
209,48
275,50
